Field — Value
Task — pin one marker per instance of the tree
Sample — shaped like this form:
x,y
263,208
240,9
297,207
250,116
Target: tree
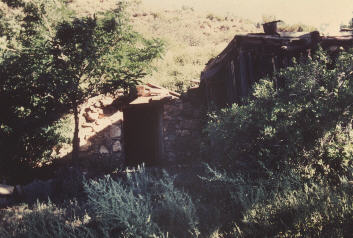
x,y
54,61
99,55
28,98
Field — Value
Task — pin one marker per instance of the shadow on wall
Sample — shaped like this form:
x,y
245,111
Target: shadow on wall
x,y
161,133
158,132
100,133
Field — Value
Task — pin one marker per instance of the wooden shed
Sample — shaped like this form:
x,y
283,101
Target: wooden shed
x,y
228,77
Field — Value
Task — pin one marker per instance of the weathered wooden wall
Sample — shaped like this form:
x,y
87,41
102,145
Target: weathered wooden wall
x,y
229,77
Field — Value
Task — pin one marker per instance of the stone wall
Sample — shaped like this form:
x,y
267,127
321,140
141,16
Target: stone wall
x,y
101,129
181,131
101,132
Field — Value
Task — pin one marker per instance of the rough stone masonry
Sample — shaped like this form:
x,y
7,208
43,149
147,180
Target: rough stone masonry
x,y
101,129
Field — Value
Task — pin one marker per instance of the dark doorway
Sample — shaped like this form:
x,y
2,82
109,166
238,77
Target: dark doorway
x,y
143,134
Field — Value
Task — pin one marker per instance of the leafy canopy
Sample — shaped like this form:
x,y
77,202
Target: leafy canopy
x,y
51,61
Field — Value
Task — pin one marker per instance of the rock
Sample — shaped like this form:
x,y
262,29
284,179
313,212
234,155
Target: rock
x,y
29,193
86,125
117,146
106,101
91,116
196,114
38,189
97,104
115,131
92,108
6,190
103,150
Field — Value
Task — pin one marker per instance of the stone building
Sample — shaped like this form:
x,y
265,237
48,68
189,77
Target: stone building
x,y
156,127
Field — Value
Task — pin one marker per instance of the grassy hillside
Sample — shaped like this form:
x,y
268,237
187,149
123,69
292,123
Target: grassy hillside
x,y
191,37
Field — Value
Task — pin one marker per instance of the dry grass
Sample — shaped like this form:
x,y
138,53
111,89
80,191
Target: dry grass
x,y
192,38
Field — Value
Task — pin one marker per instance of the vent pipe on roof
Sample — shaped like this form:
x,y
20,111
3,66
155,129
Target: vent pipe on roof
x,y
270,28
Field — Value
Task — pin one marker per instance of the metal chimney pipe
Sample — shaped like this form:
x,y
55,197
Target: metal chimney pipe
x,y
270,28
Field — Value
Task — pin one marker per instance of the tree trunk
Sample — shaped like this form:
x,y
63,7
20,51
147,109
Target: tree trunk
x,y
76,139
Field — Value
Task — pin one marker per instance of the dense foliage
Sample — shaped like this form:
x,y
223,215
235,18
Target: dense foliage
x,y
50,62
145,204
251,187
279,164
307,122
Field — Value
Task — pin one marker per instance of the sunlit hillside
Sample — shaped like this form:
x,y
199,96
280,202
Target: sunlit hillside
x,y
191,37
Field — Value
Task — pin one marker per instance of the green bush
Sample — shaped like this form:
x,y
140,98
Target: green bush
x,y
306,122
280,160
285,205
142,206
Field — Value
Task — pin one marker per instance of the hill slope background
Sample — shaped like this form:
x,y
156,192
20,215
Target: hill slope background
x,y
191,37
195,31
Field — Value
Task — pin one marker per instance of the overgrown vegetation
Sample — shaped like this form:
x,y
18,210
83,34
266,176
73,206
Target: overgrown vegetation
x,y
307,122
277,165
51,62
144,204
293,144
280,167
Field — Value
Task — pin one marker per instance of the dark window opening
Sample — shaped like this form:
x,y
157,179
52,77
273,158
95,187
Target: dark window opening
x,y
143,134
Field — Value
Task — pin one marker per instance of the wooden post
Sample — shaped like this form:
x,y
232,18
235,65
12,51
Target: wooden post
x,y
251,69
243,75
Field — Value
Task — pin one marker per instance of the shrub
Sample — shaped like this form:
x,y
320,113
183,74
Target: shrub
x,y
43,220
142,206
285,205
305,122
